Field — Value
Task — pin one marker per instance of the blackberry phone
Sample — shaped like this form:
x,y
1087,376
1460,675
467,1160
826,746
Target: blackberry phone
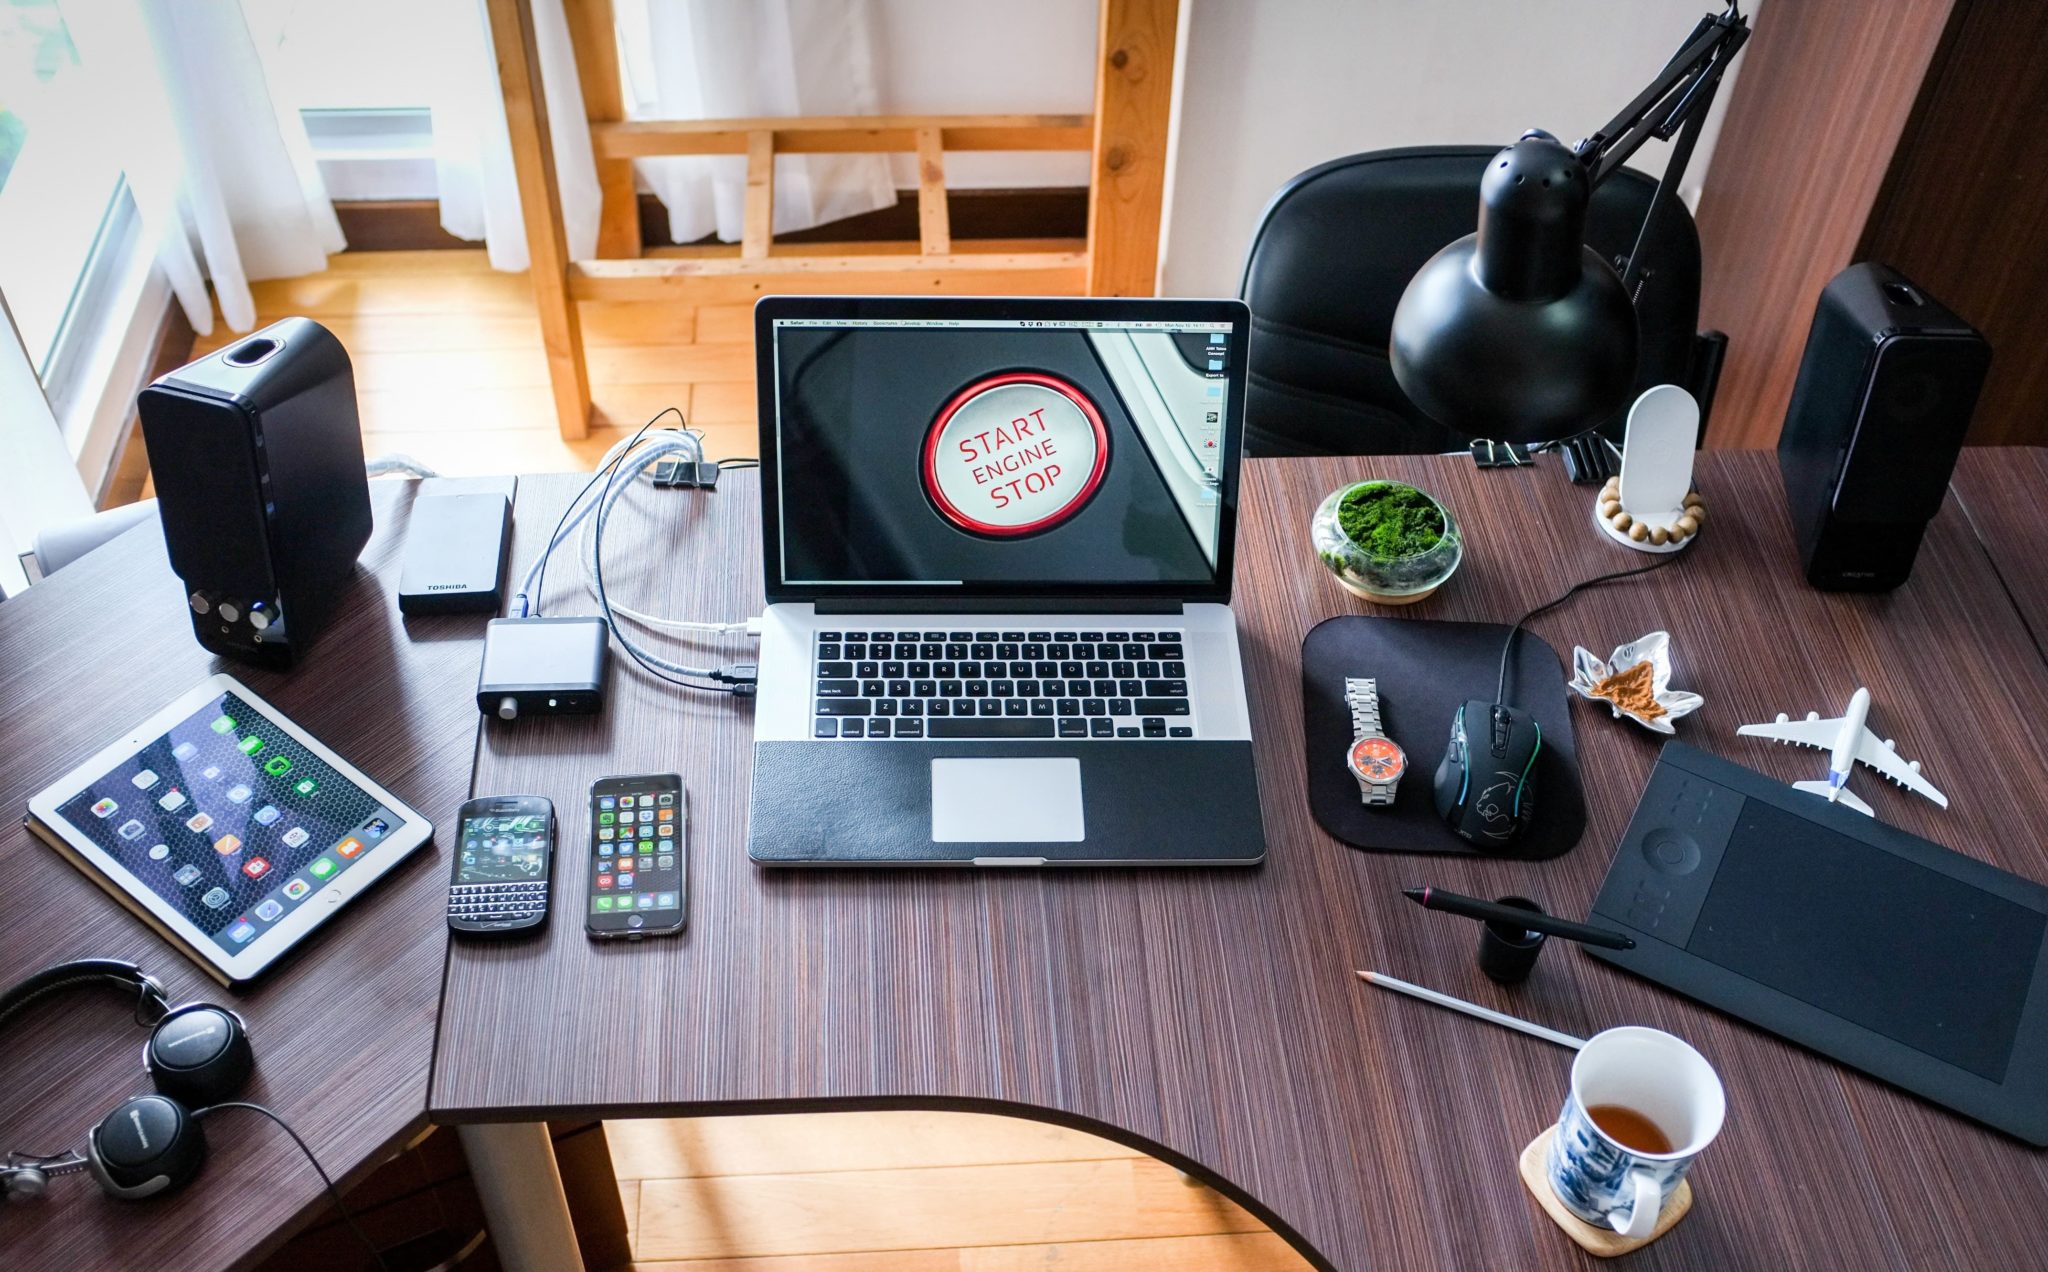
x,y
638,875
503,864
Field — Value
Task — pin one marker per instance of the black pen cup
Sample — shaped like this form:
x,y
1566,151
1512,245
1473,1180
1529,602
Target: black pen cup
x,y
1508,953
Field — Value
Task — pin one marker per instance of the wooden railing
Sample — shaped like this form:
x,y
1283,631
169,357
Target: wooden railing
x,y
1126,137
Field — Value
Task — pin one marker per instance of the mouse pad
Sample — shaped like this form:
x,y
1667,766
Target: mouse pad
x,y
1426,670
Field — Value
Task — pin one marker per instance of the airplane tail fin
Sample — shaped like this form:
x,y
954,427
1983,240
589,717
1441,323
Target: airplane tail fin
x,y
1843,796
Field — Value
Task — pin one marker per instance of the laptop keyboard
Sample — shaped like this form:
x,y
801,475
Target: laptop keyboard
x,y
1001,684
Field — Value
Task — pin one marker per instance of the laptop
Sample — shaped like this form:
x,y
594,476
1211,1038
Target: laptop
x,y
998,537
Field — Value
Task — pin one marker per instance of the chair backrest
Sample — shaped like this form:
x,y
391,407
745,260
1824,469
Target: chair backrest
x,y
1337,246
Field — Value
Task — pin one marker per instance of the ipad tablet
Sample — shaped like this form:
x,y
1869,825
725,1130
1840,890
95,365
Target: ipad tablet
x,y
226,827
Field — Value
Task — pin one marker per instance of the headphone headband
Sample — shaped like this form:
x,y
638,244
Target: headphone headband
x,y
113,972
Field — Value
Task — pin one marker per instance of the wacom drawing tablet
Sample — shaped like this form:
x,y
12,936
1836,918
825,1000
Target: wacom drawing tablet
x,y
1910,962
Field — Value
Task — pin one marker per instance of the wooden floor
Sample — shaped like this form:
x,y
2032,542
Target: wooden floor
x,y
918,1192
449,369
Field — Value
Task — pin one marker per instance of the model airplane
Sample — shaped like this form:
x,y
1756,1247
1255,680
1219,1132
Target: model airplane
x,y
1849,742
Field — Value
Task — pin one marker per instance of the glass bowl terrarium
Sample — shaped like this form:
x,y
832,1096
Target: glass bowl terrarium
x,y
1386,541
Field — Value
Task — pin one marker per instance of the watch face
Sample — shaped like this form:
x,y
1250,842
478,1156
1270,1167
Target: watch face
x,y
1377,759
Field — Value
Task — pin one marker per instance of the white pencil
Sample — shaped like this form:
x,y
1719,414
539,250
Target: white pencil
x,y
1385,981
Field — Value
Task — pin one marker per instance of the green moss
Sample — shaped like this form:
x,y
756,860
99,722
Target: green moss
x,y
1389,522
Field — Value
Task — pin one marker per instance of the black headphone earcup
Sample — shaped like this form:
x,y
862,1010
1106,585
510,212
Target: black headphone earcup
x,y
148,1145
199,1055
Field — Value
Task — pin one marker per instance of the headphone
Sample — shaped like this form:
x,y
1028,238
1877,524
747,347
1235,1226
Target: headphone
x,y
198,1055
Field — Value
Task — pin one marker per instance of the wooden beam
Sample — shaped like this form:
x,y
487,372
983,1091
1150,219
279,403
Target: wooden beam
x,y
540,205
594,37
1133,103
934,230
731,280
840,134
977,249
757,225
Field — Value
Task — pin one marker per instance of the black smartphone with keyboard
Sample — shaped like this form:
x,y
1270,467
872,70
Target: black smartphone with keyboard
x,y
638,873
504,864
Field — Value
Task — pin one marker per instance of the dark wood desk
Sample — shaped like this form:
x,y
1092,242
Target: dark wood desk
x,y
343,1031
1213,1018
2000,488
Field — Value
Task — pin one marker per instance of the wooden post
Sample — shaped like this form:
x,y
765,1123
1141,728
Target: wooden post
x,y
757,224
595,39
1133,103
540,205
934,225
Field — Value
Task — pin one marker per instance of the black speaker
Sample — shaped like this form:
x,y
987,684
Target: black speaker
x,y
257,455
1884,397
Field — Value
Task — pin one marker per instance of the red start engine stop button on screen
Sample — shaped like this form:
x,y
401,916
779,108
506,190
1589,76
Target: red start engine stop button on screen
x,y
1015,454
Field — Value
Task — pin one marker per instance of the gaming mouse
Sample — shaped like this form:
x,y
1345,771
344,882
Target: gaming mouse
x,y
1486,784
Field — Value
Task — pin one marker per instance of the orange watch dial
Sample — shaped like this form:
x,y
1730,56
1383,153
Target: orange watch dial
x,y
1377,759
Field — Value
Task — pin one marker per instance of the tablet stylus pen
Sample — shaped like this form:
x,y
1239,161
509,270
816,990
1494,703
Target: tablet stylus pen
x,y
1512,917
1385,981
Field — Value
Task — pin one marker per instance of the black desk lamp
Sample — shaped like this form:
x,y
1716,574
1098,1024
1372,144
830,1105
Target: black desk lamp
x,y
1521,332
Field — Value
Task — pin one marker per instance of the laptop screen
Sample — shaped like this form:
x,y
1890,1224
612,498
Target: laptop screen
x,y
1054,447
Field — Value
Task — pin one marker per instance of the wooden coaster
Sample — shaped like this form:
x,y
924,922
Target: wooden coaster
x,y
1601,1243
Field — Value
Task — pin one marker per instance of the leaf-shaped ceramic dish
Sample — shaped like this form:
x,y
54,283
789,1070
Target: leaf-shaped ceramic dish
x,y
1589,671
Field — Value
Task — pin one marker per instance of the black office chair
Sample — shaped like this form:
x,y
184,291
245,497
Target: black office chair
x,y
1338,244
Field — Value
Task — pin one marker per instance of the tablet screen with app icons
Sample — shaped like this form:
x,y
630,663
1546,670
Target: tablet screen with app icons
x,y
232,820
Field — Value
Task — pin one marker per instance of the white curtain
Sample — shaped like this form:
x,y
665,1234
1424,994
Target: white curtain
x,y
216,157
681,59
473,153
724,59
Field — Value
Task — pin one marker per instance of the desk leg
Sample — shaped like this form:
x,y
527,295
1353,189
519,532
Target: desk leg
x,y
525,1209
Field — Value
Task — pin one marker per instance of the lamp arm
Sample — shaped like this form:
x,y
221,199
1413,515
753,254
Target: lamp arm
x,y
1674,104
1687,83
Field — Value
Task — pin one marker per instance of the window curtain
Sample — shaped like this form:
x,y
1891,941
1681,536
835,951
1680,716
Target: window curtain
x,y
680,59
473,153
216,157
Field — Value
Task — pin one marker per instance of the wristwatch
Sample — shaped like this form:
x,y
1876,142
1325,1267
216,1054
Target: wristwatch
x,y
1373,759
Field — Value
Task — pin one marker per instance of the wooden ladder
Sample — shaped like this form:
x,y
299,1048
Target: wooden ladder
x,y
1119,257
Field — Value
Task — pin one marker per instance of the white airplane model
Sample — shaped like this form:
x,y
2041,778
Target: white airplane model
x,y
1849,742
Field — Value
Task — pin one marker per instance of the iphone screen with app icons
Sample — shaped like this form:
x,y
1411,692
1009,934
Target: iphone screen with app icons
x,y
638,874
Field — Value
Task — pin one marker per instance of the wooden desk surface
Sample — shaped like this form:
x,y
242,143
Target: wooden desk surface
x,y
2000,490
1212,1017
343,1031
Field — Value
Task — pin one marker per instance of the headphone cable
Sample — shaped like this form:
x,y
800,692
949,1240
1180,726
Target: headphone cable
x,y
325,1178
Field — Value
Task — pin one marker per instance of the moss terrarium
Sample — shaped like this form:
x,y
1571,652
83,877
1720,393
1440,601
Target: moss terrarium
x,y
1386,541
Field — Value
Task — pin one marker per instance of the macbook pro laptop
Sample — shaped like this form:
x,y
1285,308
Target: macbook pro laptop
x,y
998,537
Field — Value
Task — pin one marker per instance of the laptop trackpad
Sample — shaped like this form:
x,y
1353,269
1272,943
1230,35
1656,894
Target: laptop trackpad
x,y
1007,801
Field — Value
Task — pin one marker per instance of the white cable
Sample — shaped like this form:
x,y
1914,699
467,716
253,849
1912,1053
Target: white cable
x,y
690,447
608,499
399,463
635,458
588,501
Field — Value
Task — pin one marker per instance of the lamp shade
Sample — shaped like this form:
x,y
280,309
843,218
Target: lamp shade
x,y
1520,332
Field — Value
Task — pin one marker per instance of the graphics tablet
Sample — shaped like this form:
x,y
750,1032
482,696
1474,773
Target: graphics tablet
x,y
226,827
1913,963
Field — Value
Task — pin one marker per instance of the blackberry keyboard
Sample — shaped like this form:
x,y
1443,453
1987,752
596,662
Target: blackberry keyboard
x,y
1001,684
488,902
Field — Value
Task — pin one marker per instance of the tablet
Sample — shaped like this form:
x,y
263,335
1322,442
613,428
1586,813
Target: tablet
x,y
226,827
1911,962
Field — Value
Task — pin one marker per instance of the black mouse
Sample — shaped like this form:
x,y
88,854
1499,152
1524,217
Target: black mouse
x,y
1486,784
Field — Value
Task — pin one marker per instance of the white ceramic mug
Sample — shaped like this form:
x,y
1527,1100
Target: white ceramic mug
x,y
1610,1184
